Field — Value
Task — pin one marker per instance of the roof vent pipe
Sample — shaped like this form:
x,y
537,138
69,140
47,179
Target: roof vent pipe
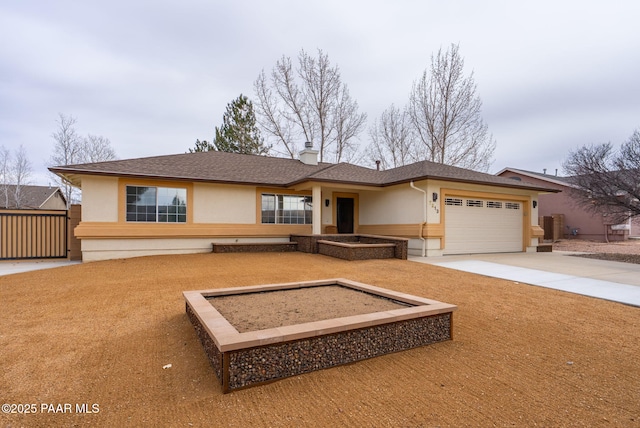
x,y
378,165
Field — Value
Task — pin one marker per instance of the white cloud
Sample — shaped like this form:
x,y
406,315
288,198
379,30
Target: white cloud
x,y
154,76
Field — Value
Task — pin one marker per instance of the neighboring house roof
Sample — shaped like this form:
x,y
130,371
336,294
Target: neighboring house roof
x,y
564,181
234,168
31,197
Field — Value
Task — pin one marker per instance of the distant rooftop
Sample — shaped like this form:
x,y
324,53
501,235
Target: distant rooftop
x,y
32,197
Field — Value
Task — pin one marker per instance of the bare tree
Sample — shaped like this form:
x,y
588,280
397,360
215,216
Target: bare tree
x,y
445,113
96,148
21,172
66,151
392,139
270,113
5,175
309,103
607,181
348,124
70,149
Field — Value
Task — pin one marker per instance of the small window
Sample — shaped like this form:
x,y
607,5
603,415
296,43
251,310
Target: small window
x,y
494,204
453,201
512,205
474,203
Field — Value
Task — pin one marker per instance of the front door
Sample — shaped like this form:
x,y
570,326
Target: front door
x,y
344,207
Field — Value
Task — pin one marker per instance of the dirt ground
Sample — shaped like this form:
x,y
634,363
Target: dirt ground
x,y
623,251
259,311
101,334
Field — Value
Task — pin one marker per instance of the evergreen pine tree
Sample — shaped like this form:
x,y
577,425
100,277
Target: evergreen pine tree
x,y
202,146
239,132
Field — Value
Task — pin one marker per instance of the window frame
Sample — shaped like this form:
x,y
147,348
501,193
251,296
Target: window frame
x,y
162,212
280,202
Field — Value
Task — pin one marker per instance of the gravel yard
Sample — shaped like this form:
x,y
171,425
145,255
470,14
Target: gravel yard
x,y
114,336
625,251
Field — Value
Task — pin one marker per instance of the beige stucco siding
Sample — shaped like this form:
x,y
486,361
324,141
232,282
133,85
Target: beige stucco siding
x,y
399,204
99,199
214,203
394,205
106,249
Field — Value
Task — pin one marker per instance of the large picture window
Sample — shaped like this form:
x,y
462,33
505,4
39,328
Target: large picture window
x,y
156,204
286,209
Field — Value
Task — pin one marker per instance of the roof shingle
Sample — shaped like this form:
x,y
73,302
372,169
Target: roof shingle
x,y
222,167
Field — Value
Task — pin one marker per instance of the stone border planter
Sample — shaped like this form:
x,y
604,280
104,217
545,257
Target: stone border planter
x,y
241,360
310,244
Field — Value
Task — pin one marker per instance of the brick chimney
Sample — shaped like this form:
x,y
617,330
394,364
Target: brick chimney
x,y
308,156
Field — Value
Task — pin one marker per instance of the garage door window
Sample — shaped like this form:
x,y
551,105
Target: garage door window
x,y
512,206
494,204
453,201
474,203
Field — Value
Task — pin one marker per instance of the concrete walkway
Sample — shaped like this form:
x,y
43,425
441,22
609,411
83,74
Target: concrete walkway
x,y
615,281
12,266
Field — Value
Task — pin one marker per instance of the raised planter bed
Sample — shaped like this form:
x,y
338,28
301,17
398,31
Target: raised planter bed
x,y
251,358
358,246
254,247
356,250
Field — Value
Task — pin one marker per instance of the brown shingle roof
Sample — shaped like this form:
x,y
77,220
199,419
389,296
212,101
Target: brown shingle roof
x,y
222,167
31,196
209,166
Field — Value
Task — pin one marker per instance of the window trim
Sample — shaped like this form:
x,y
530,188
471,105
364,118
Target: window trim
x,y
307,213
158,212
122,200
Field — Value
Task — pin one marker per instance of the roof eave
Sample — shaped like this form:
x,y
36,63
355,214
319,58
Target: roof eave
x,y
72,175
483,183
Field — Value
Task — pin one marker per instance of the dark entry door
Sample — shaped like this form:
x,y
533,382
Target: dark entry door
x,y
344,207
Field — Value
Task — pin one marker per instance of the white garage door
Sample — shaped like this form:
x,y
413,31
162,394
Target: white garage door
x,y
482,226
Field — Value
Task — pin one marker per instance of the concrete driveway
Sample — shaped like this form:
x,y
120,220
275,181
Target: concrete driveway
x,y
8,267
616,281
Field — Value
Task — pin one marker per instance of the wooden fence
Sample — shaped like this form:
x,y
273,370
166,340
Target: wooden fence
x,y
33,234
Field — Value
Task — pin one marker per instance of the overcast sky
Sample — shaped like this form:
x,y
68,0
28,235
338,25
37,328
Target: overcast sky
x,y
154,76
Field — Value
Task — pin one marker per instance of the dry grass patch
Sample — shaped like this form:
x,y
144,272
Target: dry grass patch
x,y
521,355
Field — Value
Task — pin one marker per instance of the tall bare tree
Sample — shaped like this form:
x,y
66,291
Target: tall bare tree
x,y
66,151
446,114
607,181
21,172
96,148
71,149
392,139
15,173
308,103
5,175
348,124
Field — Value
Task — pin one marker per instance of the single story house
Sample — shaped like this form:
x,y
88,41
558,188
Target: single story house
x,y
182,203
561,216
33,198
